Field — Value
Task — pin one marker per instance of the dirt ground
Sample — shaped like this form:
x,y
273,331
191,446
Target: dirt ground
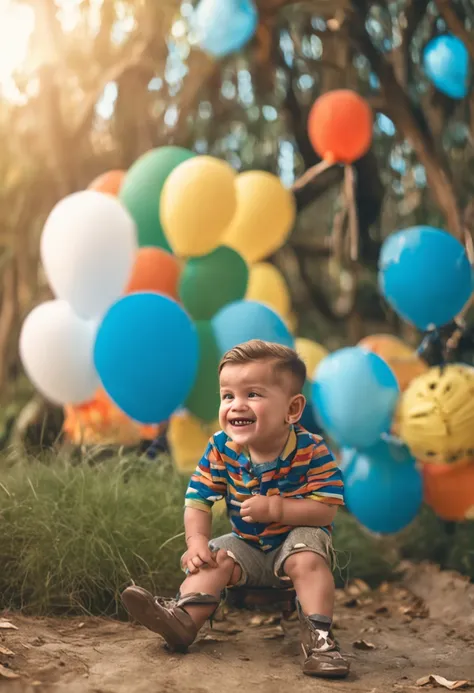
x,y
390,636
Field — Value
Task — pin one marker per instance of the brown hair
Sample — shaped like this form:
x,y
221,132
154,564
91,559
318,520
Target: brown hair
x,y
286,360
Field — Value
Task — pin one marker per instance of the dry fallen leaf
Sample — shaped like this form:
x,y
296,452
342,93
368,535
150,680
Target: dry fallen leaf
x,y
275,634
6,651
357,587
257,620
6,625
363,645
7,673
213,638
441,681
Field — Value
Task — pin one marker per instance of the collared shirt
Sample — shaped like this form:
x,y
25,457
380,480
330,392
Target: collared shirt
x,y
305,469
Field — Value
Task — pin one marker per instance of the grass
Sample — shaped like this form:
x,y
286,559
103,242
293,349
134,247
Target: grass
x,y
73,535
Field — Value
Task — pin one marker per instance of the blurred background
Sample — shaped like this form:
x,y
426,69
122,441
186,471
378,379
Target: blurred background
x,y
88,86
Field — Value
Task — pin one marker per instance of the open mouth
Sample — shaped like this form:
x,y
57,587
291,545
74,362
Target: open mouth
x,y
241,423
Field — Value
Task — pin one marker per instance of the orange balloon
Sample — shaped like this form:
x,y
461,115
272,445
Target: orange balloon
x,y
340,126
101,422
109,183
402,359
387,346
155,270
406,370
449,489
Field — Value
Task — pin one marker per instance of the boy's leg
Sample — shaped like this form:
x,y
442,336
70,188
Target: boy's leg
x,y
305,559
179,620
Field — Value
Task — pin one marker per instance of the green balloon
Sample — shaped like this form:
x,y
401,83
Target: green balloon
x,y
204,399
141,191
210,282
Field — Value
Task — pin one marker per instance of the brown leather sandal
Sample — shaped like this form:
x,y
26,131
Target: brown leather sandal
x,y
166,616
322,657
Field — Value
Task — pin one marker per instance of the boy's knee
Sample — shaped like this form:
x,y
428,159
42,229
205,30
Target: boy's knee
x,y
228,563
298,565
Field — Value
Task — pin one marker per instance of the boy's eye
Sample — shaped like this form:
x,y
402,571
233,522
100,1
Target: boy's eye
x,y
254,394
227,396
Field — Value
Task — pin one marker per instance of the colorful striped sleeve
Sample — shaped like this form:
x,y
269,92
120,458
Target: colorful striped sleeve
x,y
208,484
324,478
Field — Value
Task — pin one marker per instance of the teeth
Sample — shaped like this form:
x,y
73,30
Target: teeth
x,y
241,422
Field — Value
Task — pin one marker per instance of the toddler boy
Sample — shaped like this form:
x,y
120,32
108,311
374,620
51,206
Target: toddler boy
x,y
282,489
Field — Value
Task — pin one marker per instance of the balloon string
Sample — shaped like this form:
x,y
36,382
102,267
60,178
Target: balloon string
x,y
338,232
311,173
349,191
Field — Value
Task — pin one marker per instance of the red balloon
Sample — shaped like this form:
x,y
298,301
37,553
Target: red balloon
x,y
109,183
155,270
340,126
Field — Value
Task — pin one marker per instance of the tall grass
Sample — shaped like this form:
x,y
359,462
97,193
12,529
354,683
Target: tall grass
x,y
74,534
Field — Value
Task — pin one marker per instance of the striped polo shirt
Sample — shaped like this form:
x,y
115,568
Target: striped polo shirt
x,y
305,469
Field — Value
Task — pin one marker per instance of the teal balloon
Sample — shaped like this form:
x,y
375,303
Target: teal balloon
x,y
146,356
204,398
223,27
242,321
141,191
383,487
210,282
446,64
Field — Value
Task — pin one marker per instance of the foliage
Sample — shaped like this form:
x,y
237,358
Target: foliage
x,y
73,535
106,80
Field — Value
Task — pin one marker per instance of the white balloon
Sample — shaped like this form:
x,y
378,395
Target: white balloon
x,y
88,248
57,352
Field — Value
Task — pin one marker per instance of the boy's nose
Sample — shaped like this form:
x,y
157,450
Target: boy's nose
x,y
239,406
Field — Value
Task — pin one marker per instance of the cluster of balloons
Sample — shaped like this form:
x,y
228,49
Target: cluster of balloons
x,y
446,64
364,395
156,272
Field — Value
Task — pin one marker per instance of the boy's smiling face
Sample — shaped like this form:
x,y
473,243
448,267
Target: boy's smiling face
x,y
258,403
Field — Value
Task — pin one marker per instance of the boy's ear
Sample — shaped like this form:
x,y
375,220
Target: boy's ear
x,y
296,409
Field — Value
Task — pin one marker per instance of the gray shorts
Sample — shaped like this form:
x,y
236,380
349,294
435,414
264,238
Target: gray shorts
x,y
260,569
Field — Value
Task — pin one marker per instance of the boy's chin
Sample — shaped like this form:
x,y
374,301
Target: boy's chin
x,y
241,437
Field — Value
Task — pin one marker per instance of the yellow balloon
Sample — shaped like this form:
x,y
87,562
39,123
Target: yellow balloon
x,y
267,285
264,218
435,416
197,204
312,354
188,438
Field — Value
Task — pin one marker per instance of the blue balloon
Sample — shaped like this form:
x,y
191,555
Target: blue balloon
x,y
446,63
146,355
383,488
241,321
425,275
354,395
224,26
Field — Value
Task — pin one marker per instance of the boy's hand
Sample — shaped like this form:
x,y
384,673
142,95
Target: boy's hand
x,y
198,554
265,509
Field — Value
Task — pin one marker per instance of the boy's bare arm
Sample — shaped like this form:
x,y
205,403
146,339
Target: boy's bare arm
x,y
298,512
197,527
305,512
197,524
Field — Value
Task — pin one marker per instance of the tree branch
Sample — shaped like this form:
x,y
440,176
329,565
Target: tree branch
x,y
137,58
450,16
409,121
